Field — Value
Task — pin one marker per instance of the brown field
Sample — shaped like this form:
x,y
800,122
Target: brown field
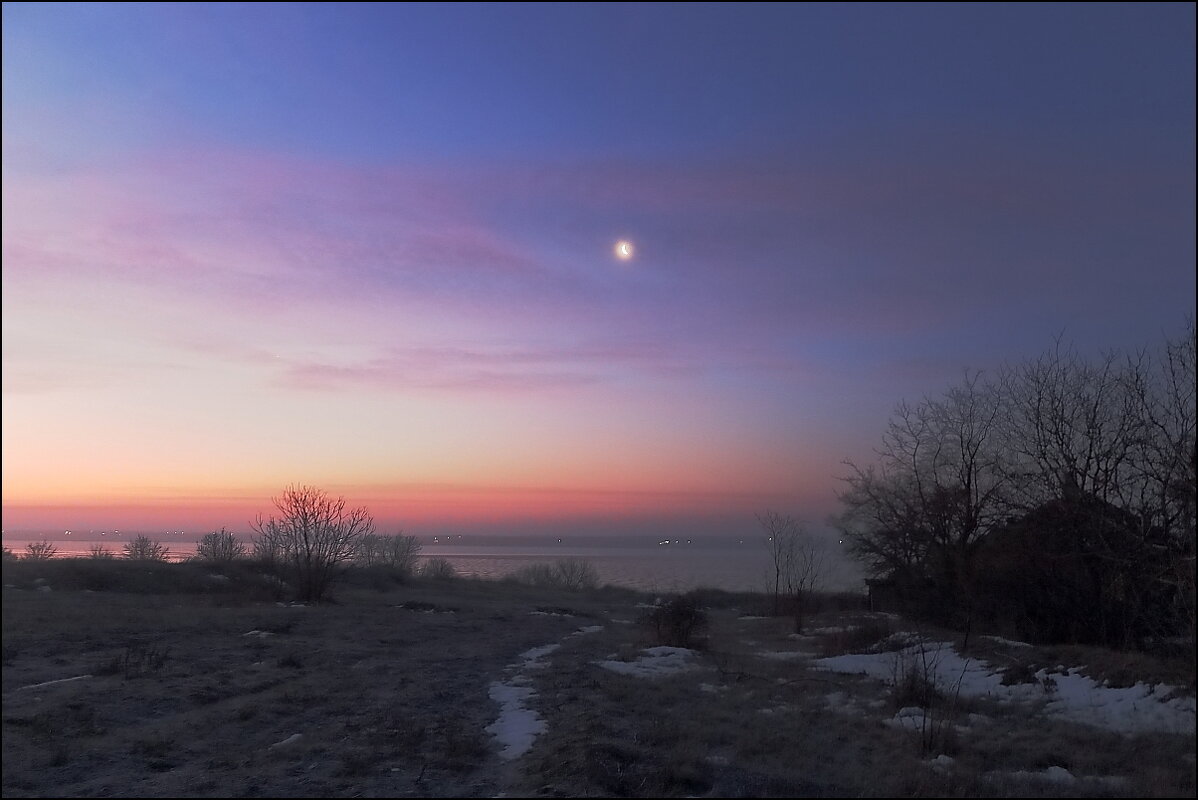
x,y
201,686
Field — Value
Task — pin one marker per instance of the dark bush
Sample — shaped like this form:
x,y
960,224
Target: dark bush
x,y
679,622
1075,570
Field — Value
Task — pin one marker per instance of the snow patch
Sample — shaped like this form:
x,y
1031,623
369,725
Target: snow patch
x,y
1058,775
517,725
1070,696
941,763
52,683
587,629
292,739
1008,642
656,662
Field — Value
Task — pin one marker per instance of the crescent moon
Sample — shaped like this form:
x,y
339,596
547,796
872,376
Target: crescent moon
x,y
624,250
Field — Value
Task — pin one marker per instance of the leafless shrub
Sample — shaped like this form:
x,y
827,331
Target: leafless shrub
x,y
266,551
798,564
311,539
677,622
99,552
143,548
220,547
398,552
576,574
40,551
916,681
571,574
137,660
437,569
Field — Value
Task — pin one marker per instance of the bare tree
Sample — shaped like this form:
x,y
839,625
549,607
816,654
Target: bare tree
x,y
882,522
399,552
312,537
220,547
40,551
1166,460
1062,455
940,485
1117,430
798,562
1069,425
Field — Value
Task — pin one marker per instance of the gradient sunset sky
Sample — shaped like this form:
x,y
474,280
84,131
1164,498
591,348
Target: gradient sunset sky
x,y
370,248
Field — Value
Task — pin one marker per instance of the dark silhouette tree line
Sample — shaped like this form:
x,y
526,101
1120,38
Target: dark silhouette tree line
x,y
1055,500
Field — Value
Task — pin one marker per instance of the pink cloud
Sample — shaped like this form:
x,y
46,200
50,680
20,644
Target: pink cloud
x,y
491,368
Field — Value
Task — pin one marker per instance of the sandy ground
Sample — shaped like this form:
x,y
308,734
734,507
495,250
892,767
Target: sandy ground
x,y
480,689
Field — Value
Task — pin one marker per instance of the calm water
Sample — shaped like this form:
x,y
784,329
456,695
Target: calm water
x,y
731,564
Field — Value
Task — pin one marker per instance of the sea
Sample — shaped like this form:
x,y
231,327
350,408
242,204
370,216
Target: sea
x,y
644,563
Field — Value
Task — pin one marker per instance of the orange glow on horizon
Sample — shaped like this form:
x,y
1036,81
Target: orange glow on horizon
x,y
401,506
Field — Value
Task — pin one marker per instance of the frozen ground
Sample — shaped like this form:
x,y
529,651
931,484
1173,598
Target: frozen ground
x,y
656,662
518,725
1065,693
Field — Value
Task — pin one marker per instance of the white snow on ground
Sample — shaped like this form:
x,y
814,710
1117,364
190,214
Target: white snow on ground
x,y
913,718
941,763
292,739
518,725
587,629
657,661
897,640
1008,642
532,658
1131,709
1058,775
51,683
1075,697
917,720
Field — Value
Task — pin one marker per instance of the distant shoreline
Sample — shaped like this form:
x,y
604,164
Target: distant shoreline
x,y
632,562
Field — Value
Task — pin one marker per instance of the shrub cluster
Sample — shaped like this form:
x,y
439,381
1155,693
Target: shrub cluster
x,y
678,622
570,574
437,569
143,548
220,548
398,552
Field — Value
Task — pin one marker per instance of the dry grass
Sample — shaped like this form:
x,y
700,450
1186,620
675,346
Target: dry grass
x,y
199,688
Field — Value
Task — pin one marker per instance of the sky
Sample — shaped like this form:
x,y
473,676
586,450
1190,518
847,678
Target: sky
x,y
370,248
